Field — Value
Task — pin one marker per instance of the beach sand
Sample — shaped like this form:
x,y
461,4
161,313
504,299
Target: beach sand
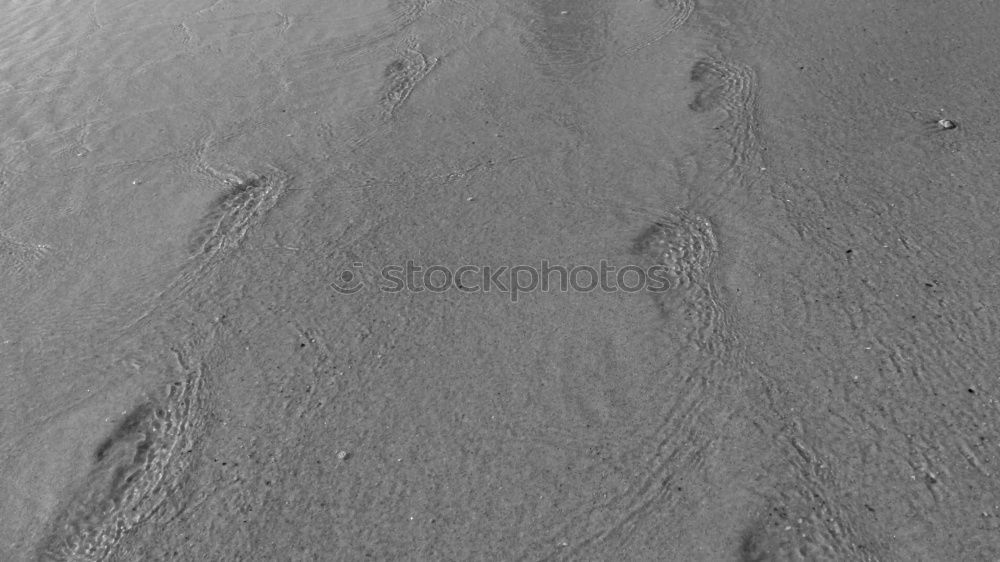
x,y
202,359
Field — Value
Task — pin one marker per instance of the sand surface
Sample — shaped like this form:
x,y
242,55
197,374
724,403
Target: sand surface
x,y
201,361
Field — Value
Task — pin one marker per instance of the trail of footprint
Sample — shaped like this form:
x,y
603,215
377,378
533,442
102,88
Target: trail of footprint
x,y
732,88
802,519
567,40
683,451
138,466
136,469
320,70
683,242
649,21
401,76
225,225
684,245
232,213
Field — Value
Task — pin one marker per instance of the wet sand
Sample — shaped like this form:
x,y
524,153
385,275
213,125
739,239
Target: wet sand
x,y
183,187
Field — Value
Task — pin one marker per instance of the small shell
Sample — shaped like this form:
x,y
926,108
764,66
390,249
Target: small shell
x,y
946,124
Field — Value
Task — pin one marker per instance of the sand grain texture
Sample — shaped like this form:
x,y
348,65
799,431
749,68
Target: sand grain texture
x,y
182,184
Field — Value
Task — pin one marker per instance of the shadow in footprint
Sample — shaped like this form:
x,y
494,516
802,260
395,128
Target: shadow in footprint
x,y
712,81
136,468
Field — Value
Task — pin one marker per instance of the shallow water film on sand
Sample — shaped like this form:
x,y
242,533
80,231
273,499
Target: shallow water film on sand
x,y
793,355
